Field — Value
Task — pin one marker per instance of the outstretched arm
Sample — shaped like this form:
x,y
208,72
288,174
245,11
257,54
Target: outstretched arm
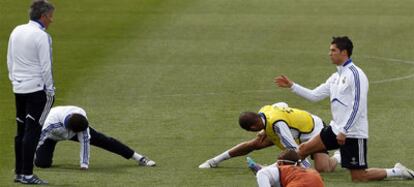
x,y
317,94
287,140
84,140
283,81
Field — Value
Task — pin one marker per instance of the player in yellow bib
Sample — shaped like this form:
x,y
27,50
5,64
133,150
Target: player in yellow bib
x,y
279,125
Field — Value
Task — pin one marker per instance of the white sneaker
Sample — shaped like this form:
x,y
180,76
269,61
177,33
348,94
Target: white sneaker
x,y
406,173
208,164
144,161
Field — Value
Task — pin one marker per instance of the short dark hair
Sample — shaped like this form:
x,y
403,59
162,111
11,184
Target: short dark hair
x,y
289,154
343,43
247,119
76,122
39,8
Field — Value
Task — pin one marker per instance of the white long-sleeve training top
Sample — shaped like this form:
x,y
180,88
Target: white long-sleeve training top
x,y
55,129
268,176
29,59
348,91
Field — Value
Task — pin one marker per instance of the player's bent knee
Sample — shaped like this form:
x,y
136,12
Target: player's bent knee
x,y
321,169
323,163
324,168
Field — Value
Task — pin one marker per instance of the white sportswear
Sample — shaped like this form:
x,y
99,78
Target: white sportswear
x,y
29,59
55,129
348,91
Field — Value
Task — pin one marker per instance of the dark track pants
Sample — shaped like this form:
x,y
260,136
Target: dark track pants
x,y
31,112
44,154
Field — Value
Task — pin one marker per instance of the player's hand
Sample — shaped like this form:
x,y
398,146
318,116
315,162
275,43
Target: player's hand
x,y
283,81
341,138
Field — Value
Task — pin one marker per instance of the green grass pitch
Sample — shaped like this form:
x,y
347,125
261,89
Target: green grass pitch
x,y
170,77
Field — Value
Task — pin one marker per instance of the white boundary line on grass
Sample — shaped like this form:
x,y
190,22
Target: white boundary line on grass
x,y
210,93
393,79
395,60
390,59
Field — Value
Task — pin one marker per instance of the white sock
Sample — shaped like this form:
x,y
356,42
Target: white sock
x,y
221,157
136,156
28,176
393,172
337,157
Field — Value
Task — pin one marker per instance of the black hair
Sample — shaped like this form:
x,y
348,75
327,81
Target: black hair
x,y
76,122
39,8
289,155
343,43
247,119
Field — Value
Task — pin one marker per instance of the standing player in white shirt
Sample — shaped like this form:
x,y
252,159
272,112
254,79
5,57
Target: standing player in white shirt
x,y
348,130
29,62
71,123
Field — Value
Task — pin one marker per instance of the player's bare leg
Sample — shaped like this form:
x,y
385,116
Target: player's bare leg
x,y
363,175
324,163
314,145
244,148
371,174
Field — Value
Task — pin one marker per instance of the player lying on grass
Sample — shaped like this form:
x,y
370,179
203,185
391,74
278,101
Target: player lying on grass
x,y
285,172
281,126
71,123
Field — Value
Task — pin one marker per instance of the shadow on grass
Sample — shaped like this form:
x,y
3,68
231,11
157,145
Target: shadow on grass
x,y
110,168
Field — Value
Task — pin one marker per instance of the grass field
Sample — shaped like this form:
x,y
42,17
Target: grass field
x,y
169,78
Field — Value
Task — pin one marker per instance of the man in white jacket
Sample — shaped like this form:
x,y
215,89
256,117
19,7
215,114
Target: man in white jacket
x,y
71,123
29,62
348,130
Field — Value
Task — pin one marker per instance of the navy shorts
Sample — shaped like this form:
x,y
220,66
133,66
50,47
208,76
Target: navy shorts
x,y
353,152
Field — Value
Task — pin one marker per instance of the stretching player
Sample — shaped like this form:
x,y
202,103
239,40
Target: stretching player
x,y
286,172
282,126
347,89
70,123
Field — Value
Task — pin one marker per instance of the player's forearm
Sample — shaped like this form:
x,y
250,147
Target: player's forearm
x,y
285,135
45,56
48,79
84,152
311,95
